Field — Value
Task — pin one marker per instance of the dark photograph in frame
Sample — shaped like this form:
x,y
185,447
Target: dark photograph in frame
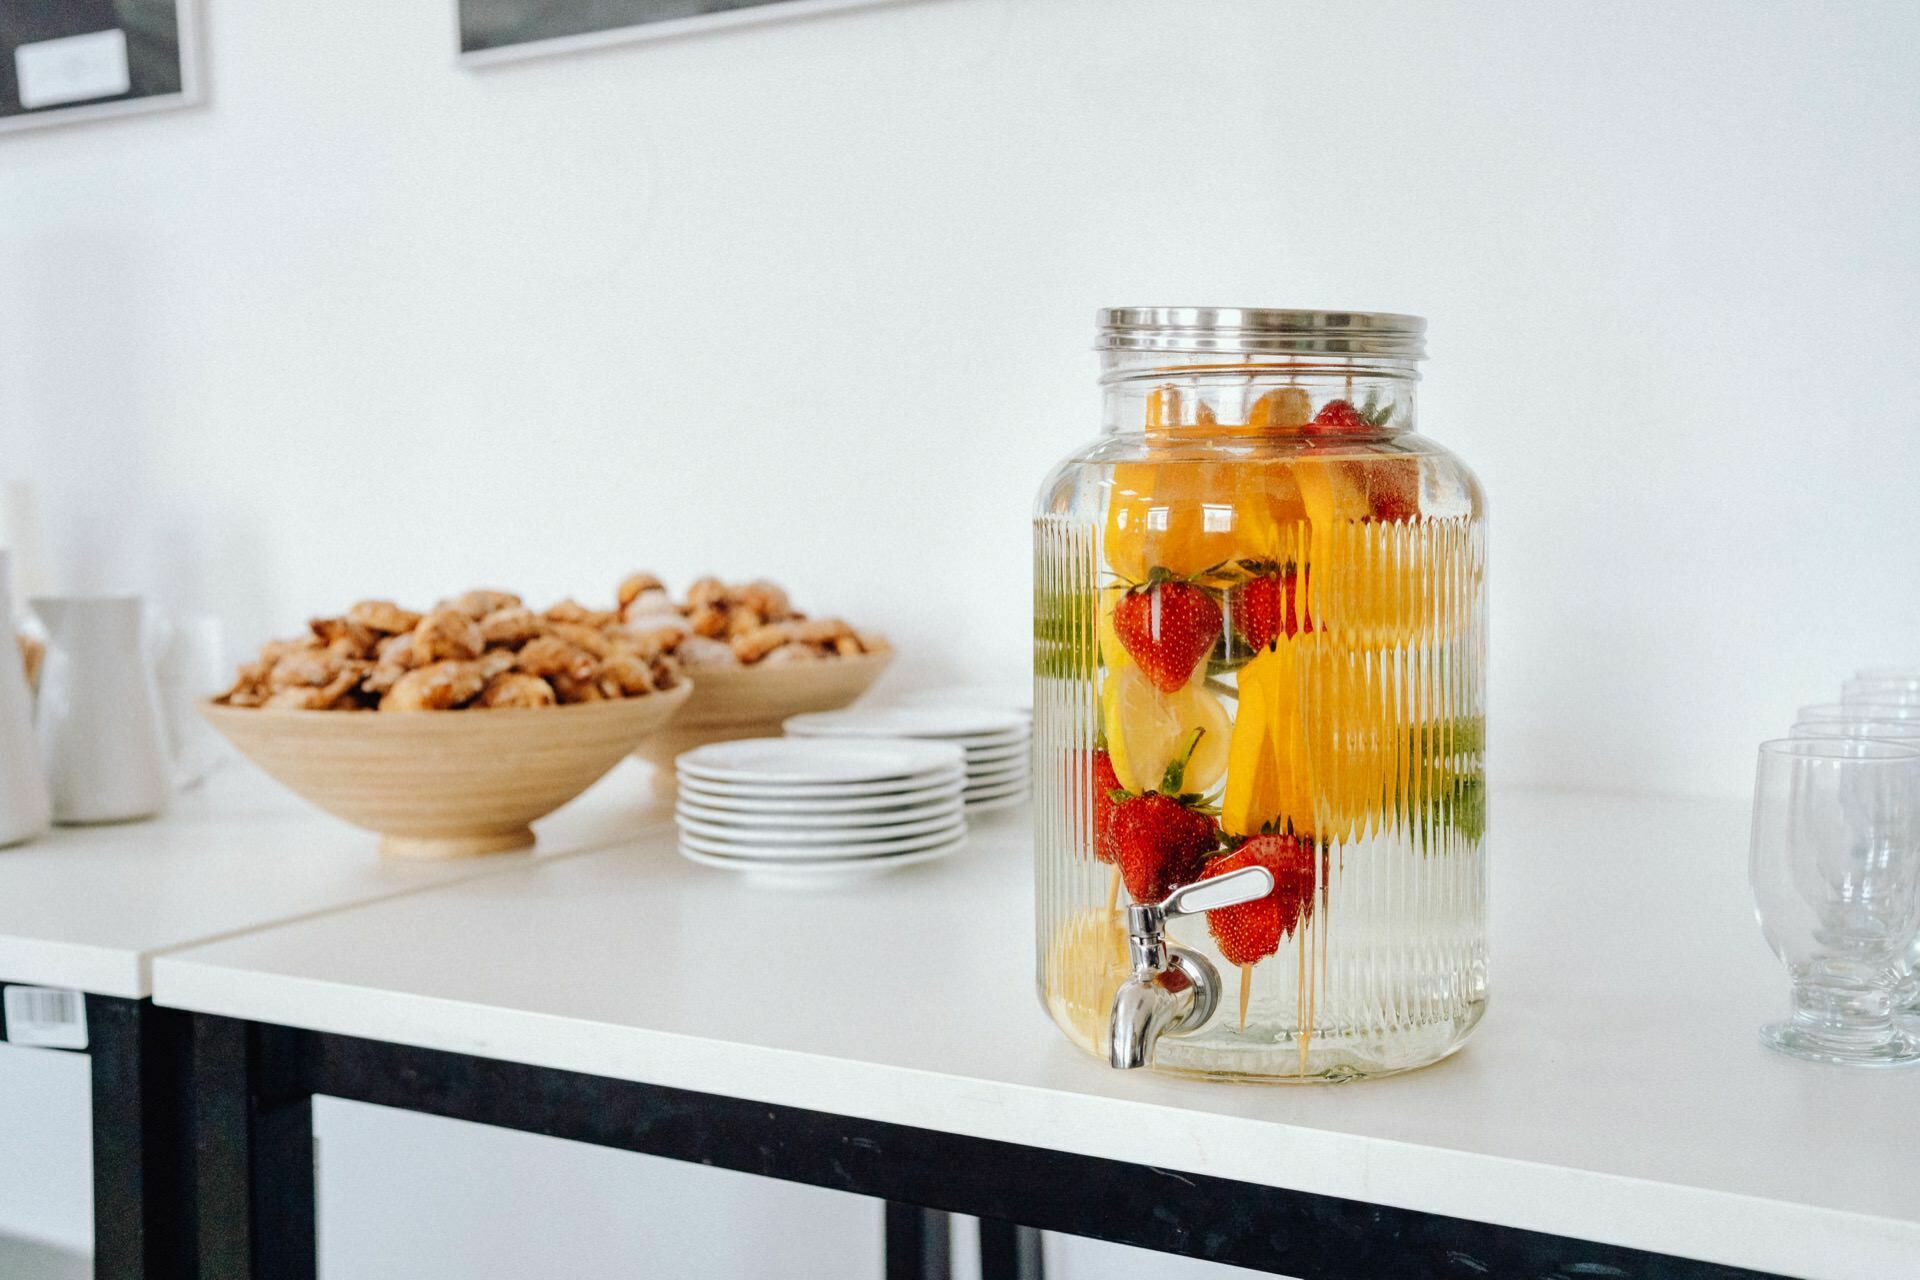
x,y
68,60
499,30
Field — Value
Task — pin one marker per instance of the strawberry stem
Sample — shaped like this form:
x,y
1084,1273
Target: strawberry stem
x,y
1172,782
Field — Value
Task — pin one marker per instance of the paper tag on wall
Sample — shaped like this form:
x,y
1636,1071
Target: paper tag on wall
x,y
49,1017
72,69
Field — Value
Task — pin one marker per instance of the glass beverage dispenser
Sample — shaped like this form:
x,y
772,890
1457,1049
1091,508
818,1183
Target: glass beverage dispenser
x,y
1259,655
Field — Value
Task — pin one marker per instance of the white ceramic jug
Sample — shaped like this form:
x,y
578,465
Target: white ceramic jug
x,y
98,717
192,665
24,804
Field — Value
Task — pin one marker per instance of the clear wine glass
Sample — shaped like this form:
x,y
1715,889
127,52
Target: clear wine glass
x,y
1858,711
1906,997
1835,868
1899,691
1865,727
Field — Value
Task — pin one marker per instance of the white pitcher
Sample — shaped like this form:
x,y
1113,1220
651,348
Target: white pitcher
x,y
24,804
192,665
98,717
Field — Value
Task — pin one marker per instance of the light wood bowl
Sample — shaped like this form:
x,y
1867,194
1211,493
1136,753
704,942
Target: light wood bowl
x,y
750,702
444,784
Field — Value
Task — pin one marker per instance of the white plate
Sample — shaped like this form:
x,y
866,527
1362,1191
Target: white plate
x,y
893,790
707,811
987,791
787,762
999,742
1007,801
857,820
801,790
1015,696
819,852
992,777
949,724
888,802
817,875
995,755
731,833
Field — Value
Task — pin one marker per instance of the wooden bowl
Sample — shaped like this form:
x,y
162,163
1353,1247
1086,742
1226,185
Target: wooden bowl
x,y
444,784
750,702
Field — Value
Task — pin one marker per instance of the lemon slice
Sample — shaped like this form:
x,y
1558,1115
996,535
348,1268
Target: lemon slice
x,y
1146,729
1086,962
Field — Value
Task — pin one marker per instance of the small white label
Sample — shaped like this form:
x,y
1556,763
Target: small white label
x,y
50,1017
72,69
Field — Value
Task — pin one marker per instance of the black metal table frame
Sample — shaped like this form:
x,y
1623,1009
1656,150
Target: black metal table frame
x,y
252,1093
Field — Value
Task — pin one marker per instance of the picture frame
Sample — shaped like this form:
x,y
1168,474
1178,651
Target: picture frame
x,y
494,31
68,61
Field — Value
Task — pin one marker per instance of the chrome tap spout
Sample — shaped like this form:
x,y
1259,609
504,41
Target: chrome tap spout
x,y
1154,1002
1146,1008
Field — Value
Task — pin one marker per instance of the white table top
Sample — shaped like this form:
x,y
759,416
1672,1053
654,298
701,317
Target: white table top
x,y
89,907
1615,1091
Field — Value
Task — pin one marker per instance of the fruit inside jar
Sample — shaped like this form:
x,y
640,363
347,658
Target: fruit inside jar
x,y
1260,641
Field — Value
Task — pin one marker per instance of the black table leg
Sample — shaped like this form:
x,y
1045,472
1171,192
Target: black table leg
x,y
253,1145
1009,1251
918,1243
142,1166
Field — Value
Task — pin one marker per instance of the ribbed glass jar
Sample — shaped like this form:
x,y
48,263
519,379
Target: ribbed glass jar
x,y
1260,639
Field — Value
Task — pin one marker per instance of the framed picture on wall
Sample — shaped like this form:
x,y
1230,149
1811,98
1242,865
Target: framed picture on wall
x,y
68,60
499,30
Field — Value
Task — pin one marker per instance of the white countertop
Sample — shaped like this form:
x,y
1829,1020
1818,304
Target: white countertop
x,y
89,907
1615,1091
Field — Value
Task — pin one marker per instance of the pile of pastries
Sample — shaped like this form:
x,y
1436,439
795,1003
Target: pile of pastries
x,y
488,649
720,625
481,649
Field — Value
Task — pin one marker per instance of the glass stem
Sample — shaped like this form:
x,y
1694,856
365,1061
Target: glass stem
x,y
1842,1012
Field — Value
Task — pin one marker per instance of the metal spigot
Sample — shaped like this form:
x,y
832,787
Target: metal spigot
x,y
1145,1007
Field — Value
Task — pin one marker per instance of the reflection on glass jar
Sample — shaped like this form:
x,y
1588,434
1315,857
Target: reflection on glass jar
x,y
1260,640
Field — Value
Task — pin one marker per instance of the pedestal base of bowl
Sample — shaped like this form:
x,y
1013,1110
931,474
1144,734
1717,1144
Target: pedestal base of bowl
x,y
425,848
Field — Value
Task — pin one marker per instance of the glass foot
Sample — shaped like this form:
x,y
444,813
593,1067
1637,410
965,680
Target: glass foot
x,y
1900,1047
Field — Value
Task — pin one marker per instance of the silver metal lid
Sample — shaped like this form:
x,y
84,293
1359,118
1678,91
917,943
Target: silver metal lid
x,y
1259,330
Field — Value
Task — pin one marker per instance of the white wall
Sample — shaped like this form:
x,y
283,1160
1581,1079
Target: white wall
x,y
813,300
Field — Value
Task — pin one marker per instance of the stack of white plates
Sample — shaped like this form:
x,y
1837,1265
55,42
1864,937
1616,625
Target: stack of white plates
x,y
998,743
1012,696
794,812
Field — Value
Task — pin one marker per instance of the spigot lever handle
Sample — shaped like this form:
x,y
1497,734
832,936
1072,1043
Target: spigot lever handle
x,y
1230,890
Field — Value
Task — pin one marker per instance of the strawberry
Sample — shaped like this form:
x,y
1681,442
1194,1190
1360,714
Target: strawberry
x,y
1167,626
1162,842
1252,931
1162,839
1339,417
1264,607
1393,487
1105,783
